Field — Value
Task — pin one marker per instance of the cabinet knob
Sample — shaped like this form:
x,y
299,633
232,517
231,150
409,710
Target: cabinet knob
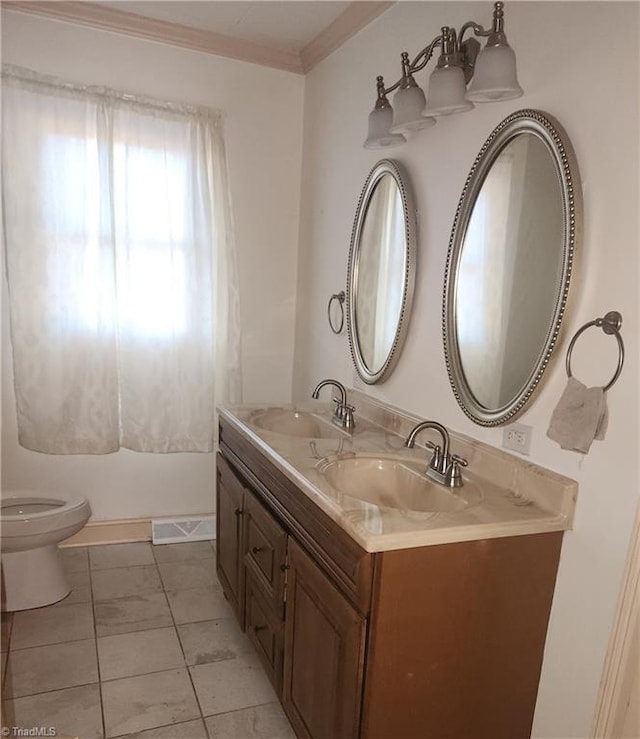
x,y
284,567
238,512
255,550
261,627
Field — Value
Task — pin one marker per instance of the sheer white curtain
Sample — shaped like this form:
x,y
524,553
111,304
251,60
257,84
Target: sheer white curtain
x,y
121,269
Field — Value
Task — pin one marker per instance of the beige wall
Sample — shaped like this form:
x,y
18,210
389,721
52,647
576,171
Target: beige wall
x,y
566,71
263,110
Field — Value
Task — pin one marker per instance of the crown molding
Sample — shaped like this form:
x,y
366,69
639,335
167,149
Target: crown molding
x,y
357,15
105,18
355,18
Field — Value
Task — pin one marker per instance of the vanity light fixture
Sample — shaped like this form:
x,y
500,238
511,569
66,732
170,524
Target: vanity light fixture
x,y
492,73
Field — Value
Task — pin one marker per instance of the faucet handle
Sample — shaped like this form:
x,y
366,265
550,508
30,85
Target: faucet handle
x,y
436,459
454,476
347,416
338,411
455,459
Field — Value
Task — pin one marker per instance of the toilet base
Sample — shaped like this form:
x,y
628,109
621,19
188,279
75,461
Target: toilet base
x,y
33,578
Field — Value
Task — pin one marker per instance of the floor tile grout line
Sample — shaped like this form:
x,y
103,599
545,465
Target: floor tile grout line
x,y
143,674
53,644
193,685
239,710
95,632
184,656
5,669
123,597
123,567
163,726
180,561
168,603
62,641
51,690
119,566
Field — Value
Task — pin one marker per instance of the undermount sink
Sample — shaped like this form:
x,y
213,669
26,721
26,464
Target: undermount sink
x,y
289,422
395,483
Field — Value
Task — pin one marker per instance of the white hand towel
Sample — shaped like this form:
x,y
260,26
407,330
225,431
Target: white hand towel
x,y
580,417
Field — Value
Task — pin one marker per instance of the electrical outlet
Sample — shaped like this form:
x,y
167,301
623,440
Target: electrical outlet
x,y
517,438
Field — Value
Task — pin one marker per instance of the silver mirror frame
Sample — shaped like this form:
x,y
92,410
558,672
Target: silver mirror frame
x,y
383,167
559,145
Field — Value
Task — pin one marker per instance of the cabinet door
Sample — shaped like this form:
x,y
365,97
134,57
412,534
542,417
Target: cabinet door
x,y
323,654
229,515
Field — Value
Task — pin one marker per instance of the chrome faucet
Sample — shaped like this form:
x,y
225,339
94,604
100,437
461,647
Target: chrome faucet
x,y
343,414
444,467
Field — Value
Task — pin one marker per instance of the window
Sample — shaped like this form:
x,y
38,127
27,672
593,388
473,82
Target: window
x,y
121,275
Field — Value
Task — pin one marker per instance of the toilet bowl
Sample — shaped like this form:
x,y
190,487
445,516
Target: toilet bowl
x,y
32,525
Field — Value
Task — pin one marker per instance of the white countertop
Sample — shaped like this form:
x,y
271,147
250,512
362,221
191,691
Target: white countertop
x,y
509,496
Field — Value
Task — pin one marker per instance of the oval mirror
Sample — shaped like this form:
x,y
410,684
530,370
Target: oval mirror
x,y
381,271
509,265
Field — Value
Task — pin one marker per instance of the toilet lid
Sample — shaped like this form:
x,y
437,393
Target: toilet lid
x,y
28,507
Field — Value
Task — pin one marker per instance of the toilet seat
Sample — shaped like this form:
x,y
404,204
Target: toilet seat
x,y
26,508
36,507
32,515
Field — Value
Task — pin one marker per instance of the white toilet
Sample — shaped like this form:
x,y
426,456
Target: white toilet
x,y
32,526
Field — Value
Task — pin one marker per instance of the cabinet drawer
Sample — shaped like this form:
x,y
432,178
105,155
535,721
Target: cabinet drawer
x,y
265,551
265,630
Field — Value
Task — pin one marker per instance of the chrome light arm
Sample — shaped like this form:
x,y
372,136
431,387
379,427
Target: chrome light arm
x,y
408,68
470,48
495,34
416,65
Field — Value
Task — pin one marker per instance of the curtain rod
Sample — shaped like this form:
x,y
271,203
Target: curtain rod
x,y
43,82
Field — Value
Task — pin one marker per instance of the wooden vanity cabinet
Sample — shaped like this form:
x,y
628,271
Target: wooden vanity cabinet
x,y
434,642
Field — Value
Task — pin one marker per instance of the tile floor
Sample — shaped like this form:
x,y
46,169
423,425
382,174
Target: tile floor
x,y
144,646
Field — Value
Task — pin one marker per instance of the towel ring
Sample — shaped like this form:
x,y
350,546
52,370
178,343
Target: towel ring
x,y
610,324
340,298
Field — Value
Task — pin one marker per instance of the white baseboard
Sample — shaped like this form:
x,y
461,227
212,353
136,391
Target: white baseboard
x,y
121,531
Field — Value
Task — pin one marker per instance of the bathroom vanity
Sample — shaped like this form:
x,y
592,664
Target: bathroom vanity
x,y
381,623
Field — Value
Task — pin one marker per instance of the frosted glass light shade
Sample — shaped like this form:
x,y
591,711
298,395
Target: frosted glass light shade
x,y
379,136
494,77
408,104
447,90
